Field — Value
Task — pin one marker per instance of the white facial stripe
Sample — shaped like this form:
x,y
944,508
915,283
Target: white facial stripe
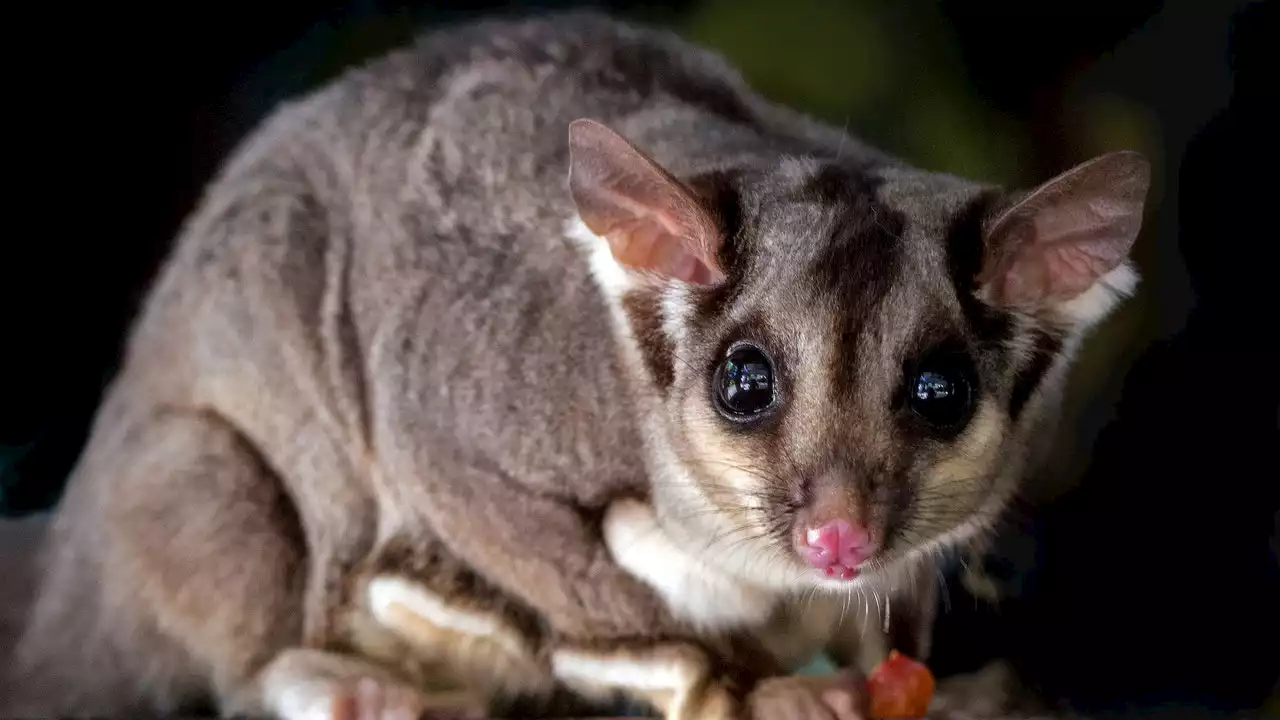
x,y
675,307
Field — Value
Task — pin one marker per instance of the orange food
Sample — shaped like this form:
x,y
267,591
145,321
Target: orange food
x,y
900,688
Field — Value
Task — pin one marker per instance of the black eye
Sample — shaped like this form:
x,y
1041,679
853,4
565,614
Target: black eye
x,y
743,385
940,392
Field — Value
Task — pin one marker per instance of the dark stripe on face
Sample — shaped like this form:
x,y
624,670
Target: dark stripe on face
x,y
719,194
965,253
644,309
857,263
1045,349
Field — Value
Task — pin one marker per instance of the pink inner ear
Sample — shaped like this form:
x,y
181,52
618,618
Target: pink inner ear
x,y
1057,242
1077,246
649,244
651,221
1056,272
653,242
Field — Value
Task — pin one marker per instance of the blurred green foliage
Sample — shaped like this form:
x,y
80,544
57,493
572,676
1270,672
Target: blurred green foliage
x,y
891,73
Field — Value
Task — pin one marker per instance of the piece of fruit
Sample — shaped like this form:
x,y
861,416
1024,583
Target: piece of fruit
x,y
900,688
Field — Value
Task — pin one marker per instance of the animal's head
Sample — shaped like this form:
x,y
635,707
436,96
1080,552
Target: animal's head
x,y
844,363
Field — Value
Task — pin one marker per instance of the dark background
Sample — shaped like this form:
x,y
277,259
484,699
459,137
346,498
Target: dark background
x,y
1142,569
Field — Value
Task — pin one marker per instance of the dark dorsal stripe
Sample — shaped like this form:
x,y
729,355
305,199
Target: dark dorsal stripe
x,y
858,262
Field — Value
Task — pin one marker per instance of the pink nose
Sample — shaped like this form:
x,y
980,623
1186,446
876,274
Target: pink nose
x,y
838,547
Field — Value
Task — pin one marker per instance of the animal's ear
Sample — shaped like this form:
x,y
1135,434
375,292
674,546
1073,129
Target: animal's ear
x,y
652,222
1065,237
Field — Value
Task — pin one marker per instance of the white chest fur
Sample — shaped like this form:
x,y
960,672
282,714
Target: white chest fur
x,y
694,591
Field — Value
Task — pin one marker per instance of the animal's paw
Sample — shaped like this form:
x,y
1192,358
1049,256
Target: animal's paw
x,y
838,696
367,698
312,685
348,698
